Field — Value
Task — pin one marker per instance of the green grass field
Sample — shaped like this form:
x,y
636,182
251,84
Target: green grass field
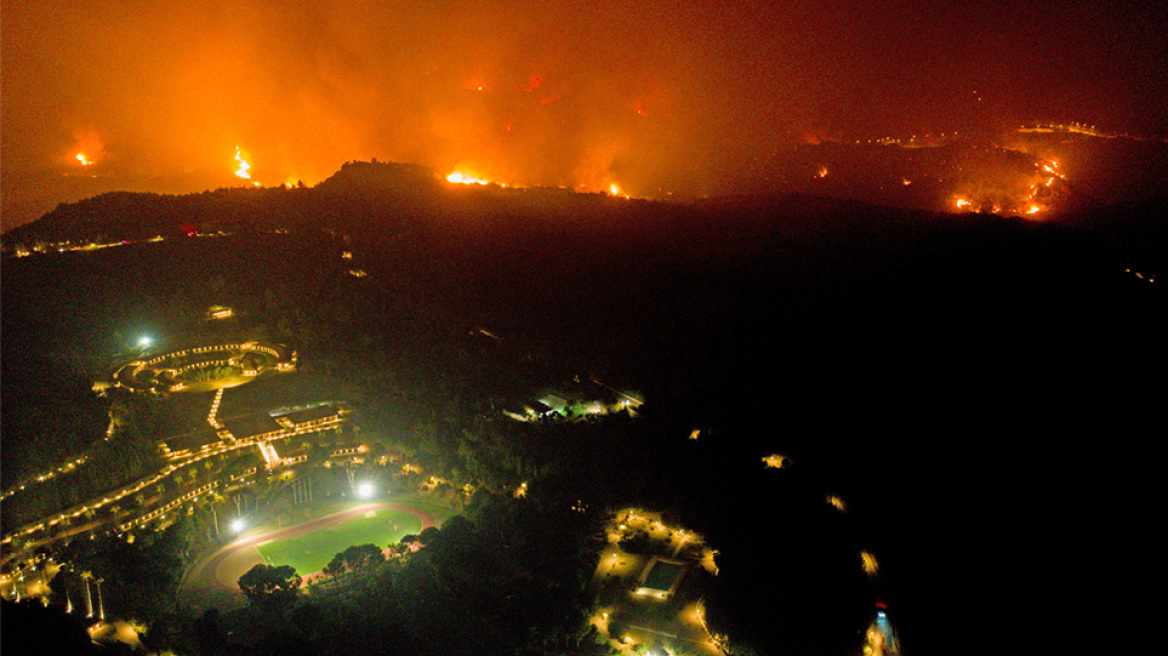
x,y
311,552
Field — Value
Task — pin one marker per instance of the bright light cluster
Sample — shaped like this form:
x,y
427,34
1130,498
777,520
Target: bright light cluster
x,y
776,461
871,567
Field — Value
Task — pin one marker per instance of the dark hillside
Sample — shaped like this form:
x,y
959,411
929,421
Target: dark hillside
x,y
984,391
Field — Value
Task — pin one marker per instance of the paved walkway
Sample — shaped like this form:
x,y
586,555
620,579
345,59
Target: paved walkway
x,y
213,582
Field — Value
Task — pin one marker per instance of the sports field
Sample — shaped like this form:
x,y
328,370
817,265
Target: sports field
x,y
310,552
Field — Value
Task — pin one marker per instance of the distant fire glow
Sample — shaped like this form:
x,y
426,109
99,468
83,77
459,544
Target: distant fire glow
x,y
88,148
678,104
462,178
242,169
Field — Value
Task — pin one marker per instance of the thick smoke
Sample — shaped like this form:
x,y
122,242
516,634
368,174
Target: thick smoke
x,y
657,97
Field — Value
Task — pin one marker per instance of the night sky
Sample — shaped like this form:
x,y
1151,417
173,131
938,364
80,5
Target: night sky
x,y
652,96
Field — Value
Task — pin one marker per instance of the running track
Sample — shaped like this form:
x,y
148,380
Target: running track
x,y
204,575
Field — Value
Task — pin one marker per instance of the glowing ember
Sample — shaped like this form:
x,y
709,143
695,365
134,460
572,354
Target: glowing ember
x,y
81,158
243,167
462,178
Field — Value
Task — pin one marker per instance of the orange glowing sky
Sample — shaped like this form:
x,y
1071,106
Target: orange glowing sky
x,y
648,95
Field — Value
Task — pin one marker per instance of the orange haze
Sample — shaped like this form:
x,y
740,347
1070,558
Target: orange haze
x,y
657,97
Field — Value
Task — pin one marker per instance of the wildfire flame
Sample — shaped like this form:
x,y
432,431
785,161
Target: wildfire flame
x,y
87,148
243,167
963,203
822,172
462,178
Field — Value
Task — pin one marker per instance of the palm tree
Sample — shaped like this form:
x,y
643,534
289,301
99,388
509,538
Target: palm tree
x,y
263,489
100,606
212,499
85,576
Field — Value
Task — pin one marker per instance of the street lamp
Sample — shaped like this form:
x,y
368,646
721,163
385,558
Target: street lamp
x,y
365,490
144,341
237,524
